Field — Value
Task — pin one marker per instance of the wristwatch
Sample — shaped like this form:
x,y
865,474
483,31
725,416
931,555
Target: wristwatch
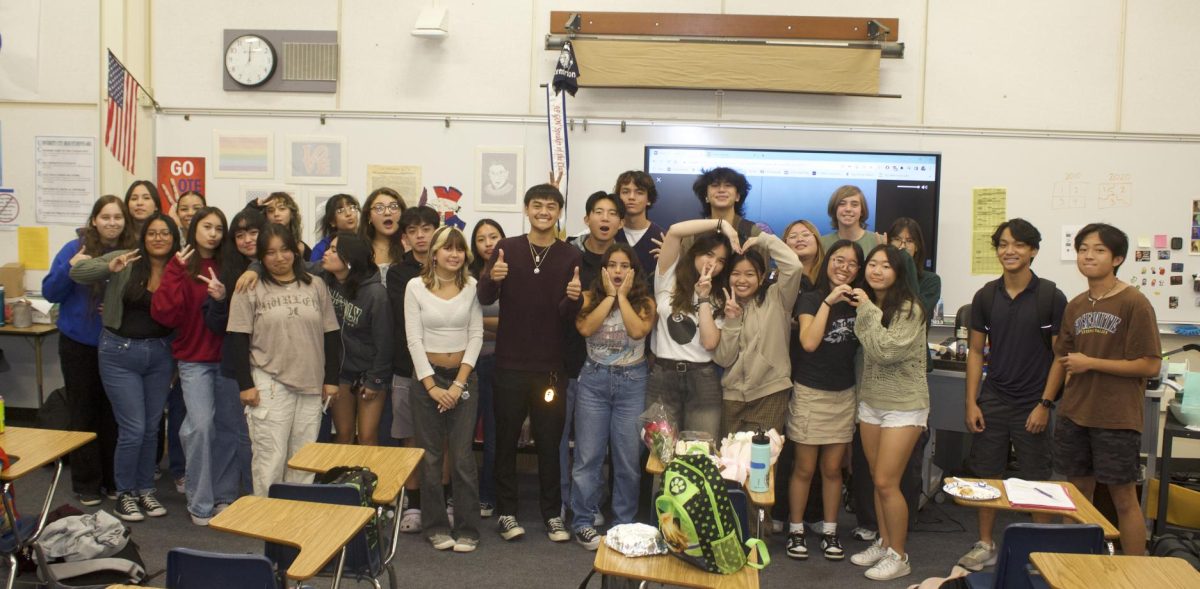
x,y
1047,403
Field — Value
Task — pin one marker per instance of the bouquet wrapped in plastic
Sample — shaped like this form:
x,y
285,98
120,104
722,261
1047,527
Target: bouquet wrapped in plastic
x,y
658,433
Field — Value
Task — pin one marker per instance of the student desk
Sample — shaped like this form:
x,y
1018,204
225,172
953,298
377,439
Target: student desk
x,y
392,465
668,570
319,530
1084,513
761,502
1091,571
34,334
28,450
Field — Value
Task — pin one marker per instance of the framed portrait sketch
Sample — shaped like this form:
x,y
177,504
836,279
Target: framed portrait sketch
x,y
316,160
499,178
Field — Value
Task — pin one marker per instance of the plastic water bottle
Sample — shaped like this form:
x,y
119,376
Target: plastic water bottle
x,y
760,463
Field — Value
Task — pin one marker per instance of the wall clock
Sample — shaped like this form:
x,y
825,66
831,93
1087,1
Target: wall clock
x,y
250,60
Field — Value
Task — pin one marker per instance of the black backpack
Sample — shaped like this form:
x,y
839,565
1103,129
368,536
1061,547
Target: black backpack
x,y
363,479
1185,546
1045,307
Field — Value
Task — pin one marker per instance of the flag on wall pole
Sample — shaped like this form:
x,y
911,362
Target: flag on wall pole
x,y
120,135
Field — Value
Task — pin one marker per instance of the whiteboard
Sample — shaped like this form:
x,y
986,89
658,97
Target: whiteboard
x,y
1151,175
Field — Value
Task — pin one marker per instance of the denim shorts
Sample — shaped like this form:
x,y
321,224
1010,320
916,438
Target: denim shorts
x,y
891,418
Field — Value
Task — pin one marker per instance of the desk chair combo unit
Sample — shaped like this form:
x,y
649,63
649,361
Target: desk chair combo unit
x,y
30,449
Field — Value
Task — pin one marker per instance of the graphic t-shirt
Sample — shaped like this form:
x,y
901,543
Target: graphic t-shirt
x,y
287,326
831,366
611,344
677,335
1120,327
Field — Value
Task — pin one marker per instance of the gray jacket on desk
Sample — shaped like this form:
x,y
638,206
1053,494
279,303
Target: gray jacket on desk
x,y
366,324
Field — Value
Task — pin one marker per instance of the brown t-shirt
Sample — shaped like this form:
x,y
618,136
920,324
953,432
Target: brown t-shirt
x,y
287,326
1120,327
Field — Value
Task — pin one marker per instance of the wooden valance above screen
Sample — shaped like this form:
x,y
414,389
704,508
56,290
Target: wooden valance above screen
x,y
725,52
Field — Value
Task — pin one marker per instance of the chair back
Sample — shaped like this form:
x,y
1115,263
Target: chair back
x,y
361,559
1022,539
197,569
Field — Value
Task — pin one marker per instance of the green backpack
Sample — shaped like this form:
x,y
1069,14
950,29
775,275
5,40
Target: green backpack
x,y
698,521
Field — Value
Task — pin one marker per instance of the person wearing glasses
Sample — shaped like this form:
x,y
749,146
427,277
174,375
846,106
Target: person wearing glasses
x,y
341,214
380,226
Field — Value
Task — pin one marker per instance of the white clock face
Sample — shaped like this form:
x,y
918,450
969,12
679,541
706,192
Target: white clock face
x,y
250,60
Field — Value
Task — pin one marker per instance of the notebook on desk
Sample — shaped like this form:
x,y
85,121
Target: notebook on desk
x,y
1038,495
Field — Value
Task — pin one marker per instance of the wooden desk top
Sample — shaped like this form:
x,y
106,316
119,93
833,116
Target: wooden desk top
x,y
393,465
1092,571
1084,513
668,570
35,329
319,530
32,448
655,467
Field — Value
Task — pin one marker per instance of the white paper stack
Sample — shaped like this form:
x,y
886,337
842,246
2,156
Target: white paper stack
x,y
1038,495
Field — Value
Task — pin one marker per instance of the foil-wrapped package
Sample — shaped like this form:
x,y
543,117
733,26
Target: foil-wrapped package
x,y
635,540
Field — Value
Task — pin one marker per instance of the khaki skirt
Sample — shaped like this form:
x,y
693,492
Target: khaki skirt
x,y
817,417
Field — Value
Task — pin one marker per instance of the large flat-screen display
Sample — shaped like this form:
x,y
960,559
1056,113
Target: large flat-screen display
x,y
792,184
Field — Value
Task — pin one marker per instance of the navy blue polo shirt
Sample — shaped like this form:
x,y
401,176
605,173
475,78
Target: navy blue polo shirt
x,y
1019,361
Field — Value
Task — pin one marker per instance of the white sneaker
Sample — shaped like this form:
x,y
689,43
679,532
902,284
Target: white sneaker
x,y
864,535
442,541
981,555
891,566
410,521
871,555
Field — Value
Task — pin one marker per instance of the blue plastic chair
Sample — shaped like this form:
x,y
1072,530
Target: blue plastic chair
x,y
197,569
1020,540
362,562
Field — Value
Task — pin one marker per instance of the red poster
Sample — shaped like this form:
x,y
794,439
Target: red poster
x,y
177,175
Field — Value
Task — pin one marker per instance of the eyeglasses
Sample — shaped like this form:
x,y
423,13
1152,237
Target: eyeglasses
x,y
158,234
843,262
802,235
353,209
903,242
380,209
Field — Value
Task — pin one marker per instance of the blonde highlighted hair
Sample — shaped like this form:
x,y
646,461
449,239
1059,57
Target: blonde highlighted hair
x,y
812,270
447,236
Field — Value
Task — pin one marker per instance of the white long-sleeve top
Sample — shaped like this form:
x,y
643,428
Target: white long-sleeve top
x,y
434,324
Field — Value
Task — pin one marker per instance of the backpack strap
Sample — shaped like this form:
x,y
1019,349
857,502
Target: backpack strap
x,y
756,545
1045,311
988,292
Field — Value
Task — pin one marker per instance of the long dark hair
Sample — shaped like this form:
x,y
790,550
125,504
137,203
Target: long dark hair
x,y
149,188
327,224
233,263
760,266
899,292
686,275
290,242
639,294
477,261
824,286
356,254
193,263
139,274
365,229
92,245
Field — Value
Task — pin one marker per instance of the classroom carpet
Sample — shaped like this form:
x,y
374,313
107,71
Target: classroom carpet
x,y
935,544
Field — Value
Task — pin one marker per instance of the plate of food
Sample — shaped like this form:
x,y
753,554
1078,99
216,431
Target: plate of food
x,y
972,490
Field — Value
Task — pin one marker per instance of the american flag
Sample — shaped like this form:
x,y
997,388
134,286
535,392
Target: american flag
x,y
120,135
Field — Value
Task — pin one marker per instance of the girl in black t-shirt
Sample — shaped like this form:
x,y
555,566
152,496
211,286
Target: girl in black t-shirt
x,y
821,412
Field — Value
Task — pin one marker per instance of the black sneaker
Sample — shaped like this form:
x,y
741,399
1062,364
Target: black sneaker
x,y
509,528
556,530
795,546
832,547
587,537
89,499
127,508
151,506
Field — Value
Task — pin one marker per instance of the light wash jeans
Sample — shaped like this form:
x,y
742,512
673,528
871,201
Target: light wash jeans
x,y
137,379
608,401
210,449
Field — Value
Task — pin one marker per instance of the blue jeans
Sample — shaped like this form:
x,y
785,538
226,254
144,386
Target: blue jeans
x,y
608,402
137,378
564,445
210,436
486,371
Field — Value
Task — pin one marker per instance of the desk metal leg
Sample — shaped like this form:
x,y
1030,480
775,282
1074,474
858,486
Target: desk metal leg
x,y
37,360
337,575
1164,484
1150,445
12,570
395,526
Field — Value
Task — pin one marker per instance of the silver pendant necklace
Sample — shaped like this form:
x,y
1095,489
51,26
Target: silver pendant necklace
x,y
538,257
